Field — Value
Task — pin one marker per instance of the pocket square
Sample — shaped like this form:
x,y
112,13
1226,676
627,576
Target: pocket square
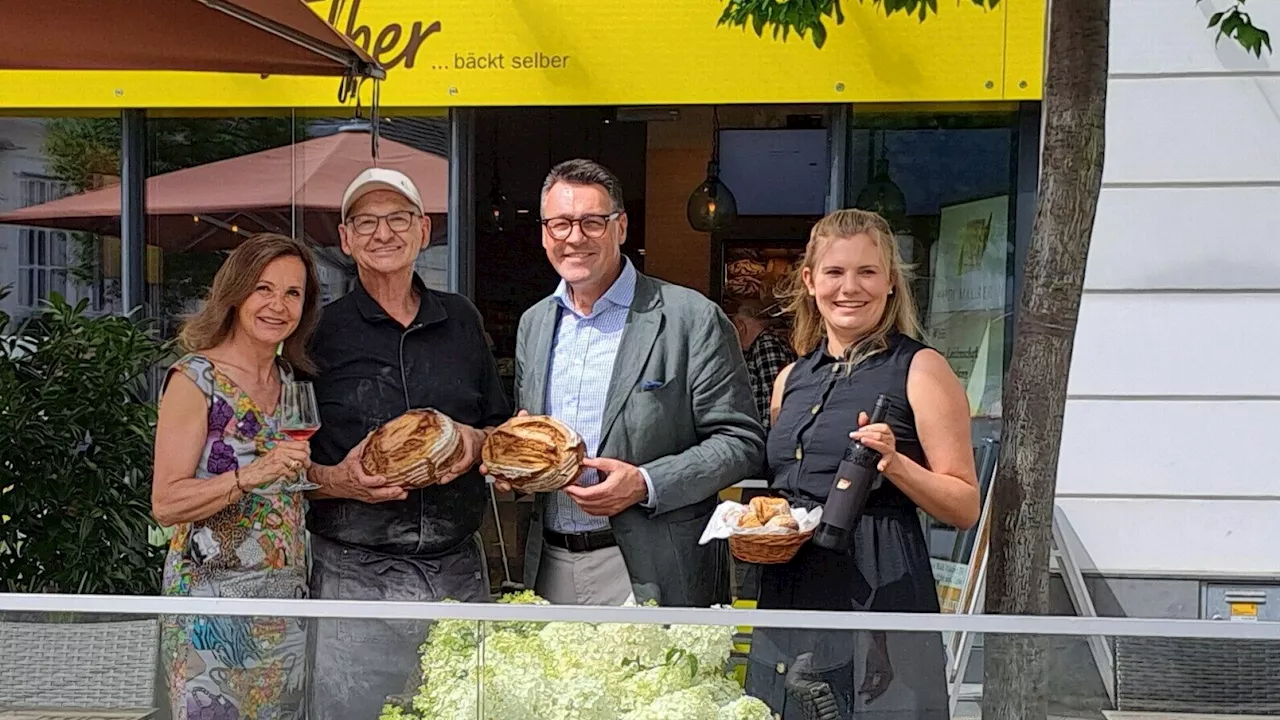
x,y
648,385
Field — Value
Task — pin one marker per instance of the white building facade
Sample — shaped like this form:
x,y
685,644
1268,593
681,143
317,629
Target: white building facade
x,y
1169,450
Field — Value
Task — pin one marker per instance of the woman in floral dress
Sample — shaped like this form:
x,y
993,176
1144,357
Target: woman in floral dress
x,y
223,476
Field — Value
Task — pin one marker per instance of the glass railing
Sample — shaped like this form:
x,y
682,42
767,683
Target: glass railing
x,y
227,659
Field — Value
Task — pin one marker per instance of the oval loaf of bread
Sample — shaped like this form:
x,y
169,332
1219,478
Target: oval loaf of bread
x,y
415,449
534,453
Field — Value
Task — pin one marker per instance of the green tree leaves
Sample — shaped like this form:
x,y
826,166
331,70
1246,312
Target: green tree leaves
x,y
808,18
1236,24
803,17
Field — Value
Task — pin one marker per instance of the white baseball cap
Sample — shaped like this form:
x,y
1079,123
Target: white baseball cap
x,y
380,179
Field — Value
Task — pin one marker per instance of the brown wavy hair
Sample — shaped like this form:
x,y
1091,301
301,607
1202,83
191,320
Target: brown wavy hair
x,y
900,313
234,282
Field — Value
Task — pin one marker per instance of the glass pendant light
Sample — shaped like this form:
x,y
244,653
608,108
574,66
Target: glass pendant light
x,y
882,195
501,211
711,207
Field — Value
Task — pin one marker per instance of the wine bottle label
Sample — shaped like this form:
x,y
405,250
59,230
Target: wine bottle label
x,y
842,484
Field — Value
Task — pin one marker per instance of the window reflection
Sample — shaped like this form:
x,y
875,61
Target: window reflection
x,y
948,184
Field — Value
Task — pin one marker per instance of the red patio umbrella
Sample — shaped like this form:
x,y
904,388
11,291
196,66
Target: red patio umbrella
x,y
214,206
279,37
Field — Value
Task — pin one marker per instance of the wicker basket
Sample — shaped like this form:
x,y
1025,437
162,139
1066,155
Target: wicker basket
x,y
771,549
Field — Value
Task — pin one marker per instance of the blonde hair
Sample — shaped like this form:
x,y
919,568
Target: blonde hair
x,y
900,313
234,282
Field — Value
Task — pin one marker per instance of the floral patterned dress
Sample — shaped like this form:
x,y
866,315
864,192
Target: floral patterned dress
x,y
224,667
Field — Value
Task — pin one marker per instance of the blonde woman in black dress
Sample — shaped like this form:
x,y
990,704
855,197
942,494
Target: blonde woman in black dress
x,y
856,330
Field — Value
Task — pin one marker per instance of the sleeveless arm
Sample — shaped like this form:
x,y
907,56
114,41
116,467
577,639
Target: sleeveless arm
x,y
177,496
948,488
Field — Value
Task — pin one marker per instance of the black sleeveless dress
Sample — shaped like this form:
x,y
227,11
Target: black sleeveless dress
x,y
886,675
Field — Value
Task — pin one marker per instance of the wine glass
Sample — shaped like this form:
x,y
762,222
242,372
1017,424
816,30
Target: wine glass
x,y
299,419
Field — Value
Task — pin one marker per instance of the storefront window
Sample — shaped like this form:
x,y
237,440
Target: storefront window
x,y
213,181
948,184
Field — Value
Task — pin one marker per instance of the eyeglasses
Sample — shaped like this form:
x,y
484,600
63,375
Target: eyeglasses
x,y
399,221
592,226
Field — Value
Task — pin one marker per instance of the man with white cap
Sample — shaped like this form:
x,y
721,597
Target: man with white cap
x,y
391,345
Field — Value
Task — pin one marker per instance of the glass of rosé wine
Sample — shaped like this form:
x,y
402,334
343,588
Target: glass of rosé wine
x,y
299,419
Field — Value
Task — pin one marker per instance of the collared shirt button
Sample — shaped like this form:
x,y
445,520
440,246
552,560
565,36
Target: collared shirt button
x,y
815,409
781,668
799,453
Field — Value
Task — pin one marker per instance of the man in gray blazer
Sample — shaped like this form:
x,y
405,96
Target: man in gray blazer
x,y
652,377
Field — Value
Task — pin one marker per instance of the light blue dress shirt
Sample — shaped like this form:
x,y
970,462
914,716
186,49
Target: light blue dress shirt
x,y
583,352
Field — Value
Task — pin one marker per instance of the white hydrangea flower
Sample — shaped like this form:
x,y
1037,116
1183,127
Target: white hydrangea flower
x,y
646,686
684,704
745,708
580,698
719,689
710,644
576,671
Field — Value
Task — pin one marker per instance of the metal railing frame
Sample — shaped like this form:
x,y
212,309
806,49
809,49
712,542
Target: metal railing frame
x,y
117,605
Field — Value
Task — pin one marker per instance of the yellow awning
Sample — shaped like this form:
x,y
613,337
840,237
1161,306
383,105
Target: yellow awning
x,y
607,52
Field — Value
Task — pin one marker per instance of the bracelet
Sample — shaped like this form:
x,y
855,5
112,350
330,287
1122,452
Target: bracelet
x,y
238,485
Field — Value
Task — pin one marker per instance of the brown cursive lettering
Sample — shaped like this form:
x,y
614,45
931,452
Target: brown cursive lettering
x,y
391,46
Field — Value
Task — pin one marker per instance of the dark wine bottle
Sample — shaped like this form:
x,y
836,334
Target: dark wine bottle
x,y
849,489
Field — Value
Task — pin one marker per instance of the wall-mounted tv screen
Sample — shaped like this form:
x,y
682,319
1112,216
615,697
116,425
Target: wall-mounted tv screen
x,y
776,171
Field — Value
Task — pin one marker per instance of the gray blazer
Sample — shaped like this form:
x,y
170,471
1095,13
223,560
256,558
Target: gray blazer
x,y
696,434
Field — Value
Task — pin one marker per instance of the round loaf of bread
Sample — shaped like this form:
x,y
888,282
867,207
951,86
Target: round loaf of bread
x,y
415,449
534,453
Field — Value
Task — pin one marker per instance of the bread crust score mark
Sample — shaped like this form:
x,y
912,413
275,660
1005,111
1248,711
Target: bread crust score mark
x,y
534,453
414,449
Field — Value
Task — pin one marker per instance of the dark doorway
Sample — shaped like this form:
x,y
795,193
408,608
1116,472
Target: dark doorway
x,y
514,149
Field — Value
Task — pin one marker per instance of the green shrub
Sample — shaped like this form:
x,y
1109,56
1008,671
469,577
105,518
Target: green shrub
x,y
77,426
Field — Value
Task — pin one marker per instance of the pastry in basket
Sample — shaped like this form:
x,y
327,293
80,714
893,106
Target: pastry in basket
x,y
766,508
777,543
415,449
783,521
534,453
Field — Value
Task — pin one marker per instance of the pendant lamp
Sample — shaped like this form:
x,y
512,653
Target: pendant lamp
x,y
711,207
501,211
882,195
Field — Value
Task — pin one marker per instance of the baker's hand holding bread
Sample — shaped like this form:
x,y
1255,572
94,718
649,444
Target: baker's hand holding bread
x,y
472,440
420,448
348,480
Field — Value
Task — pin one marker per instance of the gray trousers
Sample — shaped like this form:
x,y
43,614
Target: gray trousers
x,y
357,664
595,577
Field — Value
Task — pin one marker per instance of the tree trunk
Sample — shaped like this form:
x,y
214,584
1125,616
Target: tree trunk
x,y
1014,686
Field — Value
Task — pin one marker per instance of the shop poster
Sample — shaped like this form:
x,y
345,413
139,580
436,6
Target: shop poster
x,y
967,303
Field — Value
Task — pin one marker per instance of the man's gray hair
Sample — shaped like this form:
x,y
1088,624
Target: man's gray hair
x,y
584,172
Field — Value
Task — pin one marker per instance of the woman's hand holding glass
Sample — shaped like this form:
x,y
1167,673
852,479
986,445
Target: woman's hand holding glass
x,y
285,462
299,419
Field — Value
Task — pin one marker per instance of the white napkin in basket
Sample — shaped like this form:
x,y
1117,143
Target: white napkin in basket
x,y
724,522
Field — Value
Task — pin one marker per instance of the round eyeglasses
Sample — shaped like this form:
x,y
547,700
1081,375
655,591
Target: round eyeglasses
x,y
592,226
399,221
